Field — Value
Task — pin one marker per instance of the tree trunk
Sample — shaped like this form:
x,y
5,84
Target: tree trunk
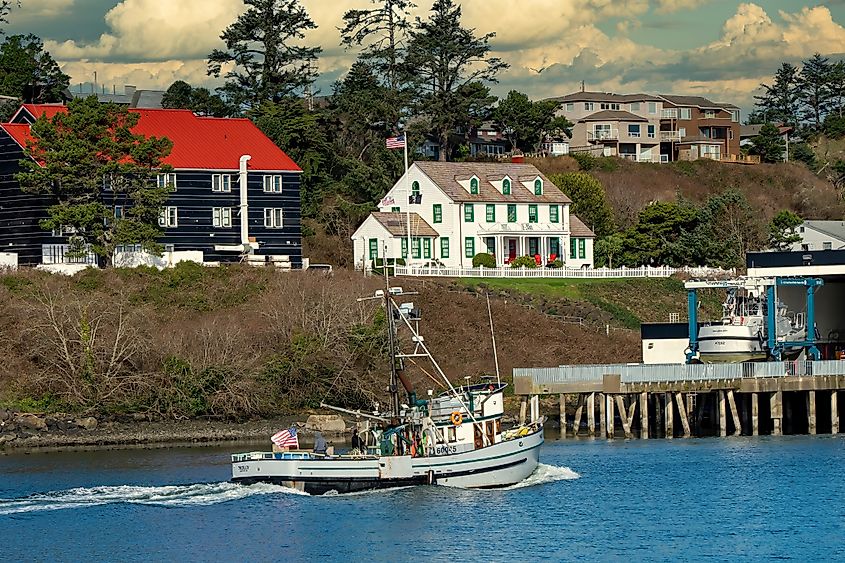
x,y
444,145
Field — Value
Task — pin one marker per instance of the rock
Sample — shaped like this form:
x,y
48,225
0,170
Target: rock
x,y
5,415
6,438
89,423
31,422
327,423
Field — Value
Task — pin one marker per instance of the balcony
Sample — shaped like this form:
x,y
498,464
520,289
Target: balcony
x,y
603,135
669,114
670,136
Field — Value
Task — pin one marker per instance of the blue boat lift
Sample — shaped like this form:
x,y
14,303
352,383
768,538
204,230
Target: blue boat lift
x,y
774,346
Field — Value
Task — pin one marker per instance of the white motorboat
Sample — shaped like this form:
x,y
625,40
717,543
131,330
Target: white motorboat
x,y
453,439
742,333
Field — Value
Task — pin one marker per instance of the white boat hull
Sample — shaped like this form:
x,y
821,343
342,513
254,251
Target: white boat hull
x,y
730,343
500,465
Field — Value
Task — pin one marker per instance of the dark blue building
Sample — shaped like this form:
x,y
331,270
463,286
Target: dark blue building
x,y
208,212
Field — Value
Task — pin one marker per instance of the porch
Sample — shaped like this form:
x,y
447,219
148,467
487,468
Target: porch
x,y
507,247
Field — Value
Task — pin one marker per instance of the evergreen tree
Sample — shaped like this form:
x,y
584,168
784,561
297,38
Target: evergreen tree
x,y
814,90
608,248
768,144
181,95
837,89
268,65
589,201
74,154
29,73
782,230
526,123
780,102
448,64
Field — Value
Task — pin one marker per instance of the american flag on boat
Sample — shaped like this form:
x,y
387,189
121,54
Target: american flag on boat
x,y
397,142
286,438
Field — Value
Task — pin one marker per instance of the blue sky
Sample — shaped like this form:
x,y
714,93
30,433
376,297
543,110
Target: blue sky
x,y
722,49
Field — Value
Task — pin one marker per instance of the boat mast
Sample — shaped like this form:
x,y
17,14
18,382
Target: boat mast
x,y
493,337
391,339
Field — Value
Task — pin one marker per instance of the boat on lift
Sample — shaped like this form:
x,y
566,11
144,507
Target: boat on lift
x,y
454,439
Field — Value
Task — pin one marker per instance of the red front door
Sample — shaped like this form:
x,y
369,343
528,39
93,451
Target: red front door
x,y
511,249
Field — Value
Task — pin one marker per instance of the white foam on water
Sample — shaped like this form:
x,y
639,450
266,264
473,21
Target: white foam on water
x,y
200,494
545,474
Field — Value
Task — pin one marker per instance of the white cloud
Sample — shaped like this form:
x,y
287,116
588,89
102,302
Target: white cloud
x,y
36,9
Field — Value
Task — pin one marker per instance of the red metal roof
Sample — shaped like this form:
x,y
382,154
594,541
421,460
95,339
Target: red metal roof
x,y
201,143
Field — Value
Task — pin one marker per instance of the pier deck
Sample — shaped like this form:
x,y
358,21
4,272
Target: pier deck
x,y
672,400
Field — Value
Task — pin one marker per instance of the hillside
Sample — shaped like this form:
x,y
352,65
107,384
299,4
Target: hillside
x,y
235,342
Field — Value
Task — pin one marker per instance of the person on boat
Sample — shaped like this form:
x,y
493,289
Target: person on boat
x,y
357,442
320,445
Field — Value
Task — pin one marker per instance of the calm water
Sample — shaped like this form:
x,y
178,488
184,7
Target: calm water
x,y
732,499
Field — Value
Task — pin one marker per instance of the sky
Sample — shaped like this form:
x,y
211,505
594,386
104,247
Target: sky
x,y
721,49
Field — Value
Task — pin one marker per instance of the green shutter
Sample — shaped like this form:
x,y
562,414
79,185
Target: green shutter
x,y
373,248
444,247
437,211
404,247
511,213
426,247
554,214
506,187
538,187
415,188
469,213
573,248
395,209
532,213
473,186
469,247
415,247
582,248
491,213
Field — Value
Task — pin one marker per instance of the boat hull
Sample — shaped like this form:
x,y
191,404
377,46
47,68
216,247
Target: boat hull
x,y
499,465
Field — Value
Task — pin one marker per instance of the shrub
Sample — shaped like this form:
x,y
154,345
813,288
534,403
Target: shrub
x,y
483,259
585,160
558,263
377,265
527,261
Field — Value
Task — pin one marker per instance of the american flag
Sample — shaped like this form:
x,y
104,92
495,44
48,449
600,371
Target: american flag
x,y
286,438
397,142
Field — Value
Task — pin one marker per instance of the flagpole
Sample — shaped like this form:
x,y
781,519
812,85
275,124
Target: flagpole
x,y
407,191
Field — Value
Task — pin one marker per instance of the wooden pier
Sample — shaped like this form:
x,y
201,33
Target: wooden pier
x,y
671,401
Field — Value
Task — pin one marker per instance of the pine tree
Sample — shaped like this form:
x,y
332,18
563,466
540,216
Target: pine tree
x,y
814,90
448,65
525,122
782,230
780,103
768,144
261,44
29,73
73,155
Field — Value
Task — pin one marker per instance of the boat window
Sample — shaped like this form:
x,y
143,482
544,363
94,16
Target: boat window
x,y
451,434
479,439
491,438
498,426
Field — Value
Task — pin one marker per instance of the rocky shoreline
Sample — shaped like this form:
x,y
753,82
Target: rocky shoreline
x,y
27,431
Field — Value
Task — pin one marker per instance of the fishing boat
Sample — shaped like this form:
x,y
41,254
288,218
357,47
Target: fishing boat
x,y
453,439
741,333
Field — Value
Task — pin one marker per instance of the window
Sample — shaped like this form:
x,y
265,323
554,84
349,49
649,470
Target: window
x,y
404,247
451,434
166,181
273,183
685,113
221,183
554,214
169,217
119,212
490,243
273,217
107,182
469,213
569,107
735,115
682,132
426,247
221,216
709,114
469,247
511,213
827,246
554,247
652,108
651,132
532,213
635,106
437,213
415,188
573,248
373,248
444,247
506,186
396,210
633,130
538,186
582,248
491,213
415,247
473,186
730,134
589,106
608,105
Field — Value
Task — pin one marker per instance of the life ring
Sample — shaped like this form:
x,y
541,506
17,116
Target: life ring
x,y
457,418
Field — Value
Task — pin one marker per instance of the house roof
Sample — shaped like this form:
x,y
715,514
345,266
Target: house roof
x,y
446,175
606,97
835,229
612,115
199,143
397,224
694,101
577,228
754,130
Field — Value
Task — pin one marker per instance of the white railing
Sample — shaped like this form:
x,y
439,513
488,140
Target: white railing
x,y
58,254
670,136
603,134
662,373
523,272
669,114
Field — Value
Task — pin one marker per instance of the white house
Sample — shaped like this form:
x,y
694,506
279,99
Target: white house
x,y
460,209
821,235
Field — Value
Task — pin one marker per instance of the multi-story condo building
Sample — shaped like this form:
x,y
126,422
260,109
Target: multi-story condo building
x,y
235,193
457,210
694,127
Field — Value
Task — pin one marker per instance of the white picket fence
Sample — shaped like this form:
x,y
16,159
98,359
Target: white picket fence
x,y
590,273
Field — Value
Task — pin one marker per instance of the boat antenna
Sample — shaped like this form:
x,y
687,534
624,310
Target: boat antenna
x,y
391,329
493,337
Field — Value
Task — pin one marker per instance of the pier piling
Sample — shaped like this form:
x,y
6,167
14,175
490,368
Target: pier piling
x,y
723,415
644,415
811,412
682,412
562,411
591,414
776,409
834,412
755,414
579,412
670,415
734,413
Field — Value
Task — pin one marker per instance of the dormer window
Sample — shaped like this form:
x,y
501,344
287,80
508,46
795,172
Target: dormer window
x,y
538,186
415,196
473,185
506,186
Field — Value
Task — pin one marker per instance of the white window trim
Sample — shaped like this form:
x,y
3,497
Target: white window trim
x,y
274,217
221,217
169,217
221,183
272,183
164,180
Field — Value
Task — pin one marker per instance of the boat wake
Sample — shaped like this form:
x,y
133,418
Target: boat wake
x,y
545,474
200,494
